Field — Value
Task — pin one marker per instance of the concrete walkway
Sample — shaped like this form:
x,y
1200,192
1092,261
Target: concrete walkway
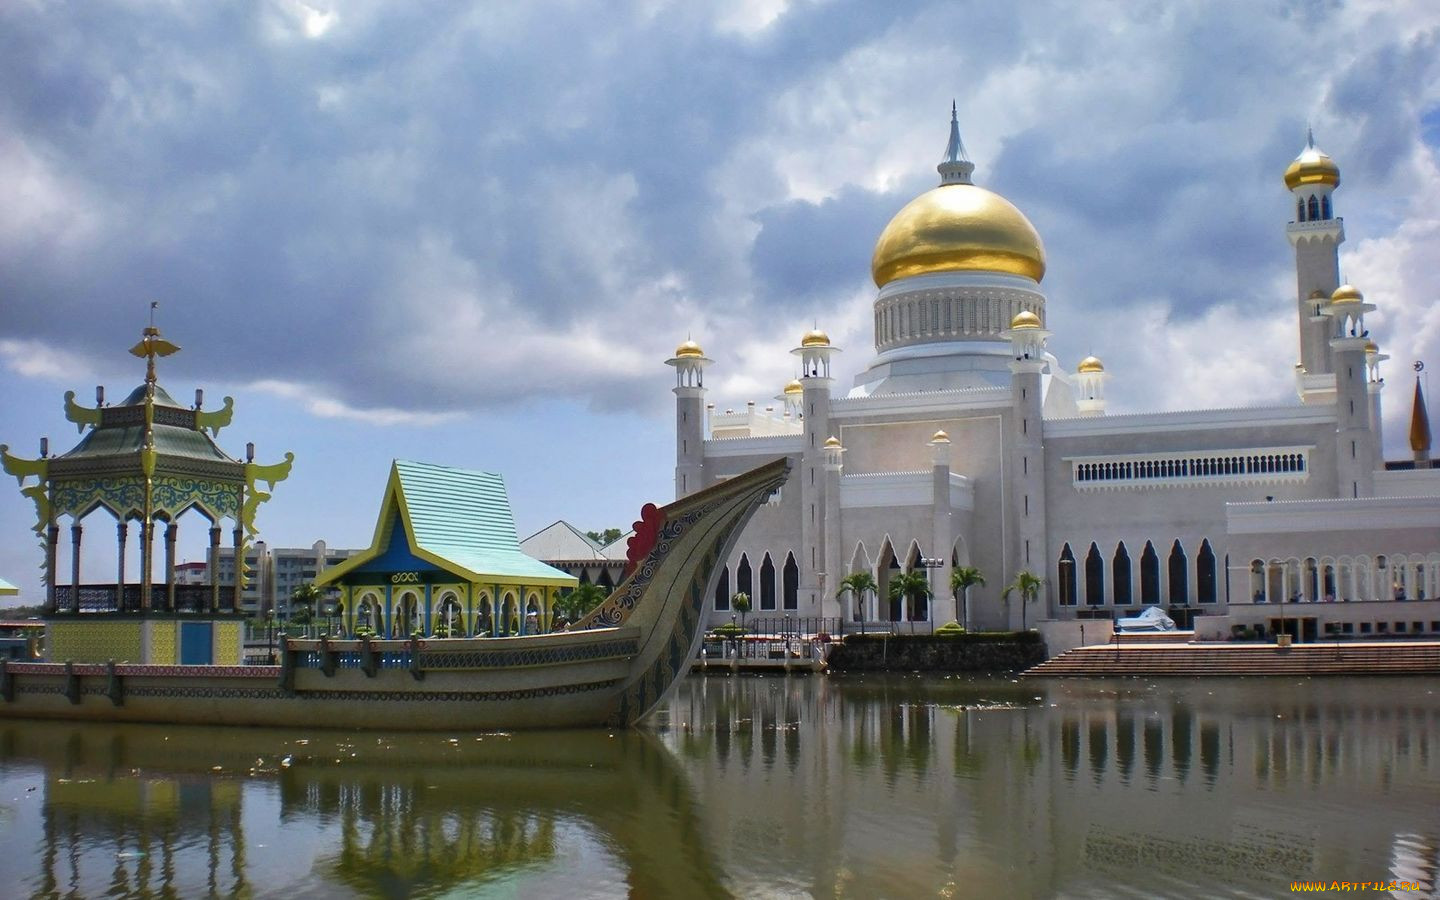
x,y
1189,660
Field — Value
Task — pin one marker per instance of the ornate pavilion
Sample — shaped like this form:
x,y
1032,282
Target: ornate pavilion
x,y
445,561
146,460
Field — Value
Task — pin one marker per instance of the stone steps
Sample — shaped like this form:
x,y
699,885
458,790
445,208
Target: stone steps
x,y
1407,658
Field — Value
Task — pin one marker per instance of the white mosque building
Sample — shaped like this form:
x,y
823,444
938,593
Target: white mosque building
x,y
965,442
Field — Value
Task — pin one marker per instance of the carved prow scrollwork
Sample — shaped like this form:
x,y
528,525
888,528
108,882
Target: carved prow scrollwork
x,y
216,420
21,468
80,415
272,474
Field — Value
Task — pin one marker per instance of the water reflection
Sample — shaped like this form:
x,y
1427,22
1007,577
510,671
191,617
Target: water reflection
x,y
835,787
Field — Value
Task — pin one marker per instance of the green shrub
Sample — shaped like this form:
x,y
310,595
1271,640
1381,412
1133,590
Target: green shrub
x,y
727,632
950,628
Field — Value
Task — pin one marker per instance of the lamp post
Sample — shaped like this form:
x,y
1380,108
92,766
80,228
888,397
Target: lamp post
x,y
270,633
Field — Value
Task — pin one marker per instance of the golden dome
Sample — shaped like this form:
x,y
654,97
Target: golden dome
x,y
958,228
689,349
1312,166
940,438
832,443
815,338
1317,294
1091,364
1372,347
1347,293
794,387
1025,319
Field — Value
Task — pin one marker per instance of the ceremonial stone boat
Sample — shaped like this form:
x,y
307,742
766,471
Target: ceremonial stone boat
x,y
609,669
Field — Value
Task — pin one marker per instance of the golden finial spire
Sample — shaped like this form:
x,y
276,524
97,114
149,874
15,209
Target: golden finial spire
x,y
152,345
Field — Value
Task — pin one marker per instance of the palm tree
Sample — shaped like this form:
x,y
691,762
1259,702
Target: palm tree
x,y
962,578
858,584
740,602
581,600
303,601
912,586
1027,585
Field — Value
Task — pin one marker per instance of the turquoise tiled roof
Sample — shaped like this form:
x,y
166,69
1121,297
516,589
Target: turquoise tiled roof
x,y
464,517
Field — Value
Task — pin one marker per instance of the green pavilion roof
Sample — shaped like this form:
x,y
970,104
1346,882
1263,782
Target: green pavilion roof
x,y
7,589
457,519
170,440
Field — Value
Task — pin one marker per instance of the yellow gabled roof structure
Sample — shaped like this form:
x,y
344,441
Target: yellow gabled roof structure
x,y
455,520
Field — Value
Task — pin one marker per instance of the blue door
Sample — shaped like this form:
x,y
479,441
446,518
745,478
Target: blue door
x,y
197,644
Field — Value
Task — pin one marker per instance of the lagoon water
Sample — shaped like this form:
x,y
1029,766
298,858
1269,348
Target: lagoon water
x,y
838,786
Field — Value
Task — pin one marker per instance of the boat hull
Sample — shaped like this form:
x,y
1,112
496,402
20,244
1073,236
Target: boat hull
x,y
611,669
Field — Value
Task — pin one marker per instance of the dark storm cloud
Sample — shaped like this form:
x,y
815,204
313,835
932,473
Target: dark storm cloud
x,y
807,250
419,207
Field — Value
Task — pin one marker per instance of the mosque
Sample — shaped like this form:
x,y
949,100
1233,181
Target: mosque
x,y
965,442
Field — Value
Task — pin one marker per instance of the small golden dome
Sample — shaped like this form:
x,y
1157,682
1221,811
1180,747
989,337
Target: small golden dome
x,y
794,387
1372,347
1091,364
1312,166
1347,293
815,338
1025,319
1317,294
689,350
832,443
957,228
940,438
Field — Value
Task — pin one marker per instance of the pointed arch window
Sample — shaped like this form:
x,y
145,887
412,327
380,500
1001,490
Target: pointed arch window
x,y
1121,566
1325,207
722,589
791,583
1179,576
1313,208
1299,210
743,578
767,583
1094,577
1149,575
1068,593
1205,574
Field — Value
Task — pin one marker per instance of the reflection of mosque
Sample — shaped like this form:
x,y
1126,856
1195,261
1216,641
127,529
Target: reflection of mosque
x,y
1088,775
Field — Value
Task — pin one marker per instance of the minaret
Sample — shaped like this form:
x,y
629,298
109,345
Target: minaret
x,y
942,525
814,353
834,566
1090,379
1316,234
689,362
1420,429
1026,458
1354,443
1373,359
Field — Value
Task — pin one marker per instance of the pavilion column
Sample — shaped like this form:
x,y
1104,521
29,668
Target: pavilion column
x,y
52,543
238,538
122,532
172,531
144,565
75,532
214,567
428,627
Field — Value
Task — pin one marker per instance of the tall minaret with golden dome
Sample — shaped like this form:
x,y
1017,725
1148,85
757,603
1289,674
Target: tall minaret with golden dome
x,y
1316,234
689,363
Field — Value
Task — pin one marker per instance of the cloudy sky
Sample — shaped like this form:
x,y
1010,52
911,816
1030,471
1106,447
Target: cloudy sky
x,y
471,233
